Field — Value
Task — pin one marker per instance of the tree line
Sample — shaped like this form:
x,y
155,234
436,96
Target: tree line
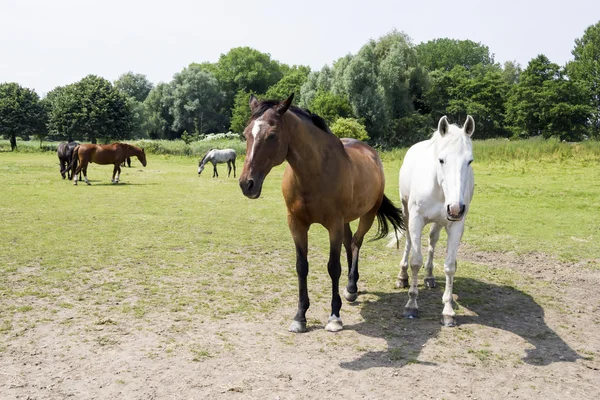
x,y
391,93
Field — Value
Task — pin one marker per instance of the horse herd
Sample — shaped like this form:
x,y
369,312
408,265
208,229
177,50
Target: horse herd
x,y
332,181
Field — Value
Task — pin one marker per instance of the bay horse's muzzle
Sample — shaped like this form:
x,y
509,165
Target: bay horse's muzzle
x,y
454,212
251,188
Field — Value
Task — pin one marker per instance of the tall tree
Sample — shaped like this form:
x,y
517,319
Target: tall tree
x,y
90,108
447,53
21,112
157,106
134,85
585,68
197,101
291,82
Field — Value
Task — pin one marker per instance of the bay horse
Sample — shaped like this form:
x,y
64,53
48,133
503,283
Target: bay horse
x,y
328,181
104,154
215,157
65,153
436,186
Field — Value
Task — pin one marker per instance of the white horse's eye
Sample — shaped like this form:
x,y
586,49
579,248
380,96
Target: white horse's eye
x,y
441,161
470,161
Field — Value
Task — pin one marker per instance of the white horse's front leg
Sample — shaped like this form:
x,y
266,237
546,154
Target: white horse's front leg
x,y
402,281
434,235
455,231
415,228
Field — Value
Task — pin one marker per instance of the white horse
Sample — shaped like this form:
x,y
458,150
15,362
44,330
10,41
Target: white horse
x,y
218,156
436,186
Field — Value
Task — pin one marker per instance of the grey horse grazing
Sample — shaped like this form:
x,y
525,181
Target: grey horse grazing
x,y
216,156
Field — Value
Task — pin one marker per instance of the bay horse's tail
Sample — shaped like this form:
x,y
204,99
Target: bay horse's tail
x,y
74,158
388,212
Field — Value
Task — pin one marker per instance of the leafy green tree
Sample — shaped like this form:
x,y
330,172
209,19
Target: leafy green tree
x,y
197,101
545,103
291,83
90,108
134,85
511,72
157,106
244,68
21,112
349,128
240,113
316,81
447,53
331,106
585,68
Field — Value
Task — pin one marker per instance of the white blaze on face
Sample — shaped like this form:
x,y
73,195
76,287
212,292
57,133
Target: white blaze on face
x,y
255,131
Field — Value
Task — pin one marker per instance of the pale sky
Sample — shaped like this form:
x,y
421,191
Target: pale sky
x,y
47,43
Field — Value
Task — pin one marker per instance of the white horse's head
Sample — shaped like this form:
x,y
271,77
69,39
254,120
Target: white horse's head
x,y
454,153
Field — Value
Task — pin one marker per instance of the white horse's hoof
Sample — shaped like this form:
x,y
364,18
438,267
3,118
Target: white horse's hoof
x,y
411,313
334,324
448,320
402,283
351,297
297,327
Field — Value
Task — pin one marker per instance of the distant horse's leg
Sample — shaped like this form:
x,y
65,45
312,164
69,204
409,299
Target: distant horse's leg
x,y
402,281
300,235
455,231
336,236
115,169
233,162
366,221
228,168
415,227
215,173
434,235
78,170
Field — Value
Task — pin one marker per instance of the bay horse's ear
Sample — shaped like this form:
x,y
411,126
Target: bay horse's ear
x,y
443,125
284,105
469,127
253,103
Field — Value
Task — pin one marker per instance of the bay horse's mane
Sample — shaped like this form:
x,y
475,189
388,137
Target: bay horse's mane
x,y
265,105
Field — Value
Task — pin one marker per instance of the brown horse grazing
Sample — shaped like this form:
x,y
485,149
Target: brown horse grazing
x,y
104,154
327,181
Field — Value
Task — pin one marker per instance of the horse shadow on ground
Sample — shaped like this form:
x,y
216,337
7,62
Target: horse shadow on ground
x,y
500,307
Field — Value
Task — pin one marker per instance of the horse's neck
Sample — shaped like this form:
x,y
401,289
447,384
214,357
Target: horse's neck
x,y
309,149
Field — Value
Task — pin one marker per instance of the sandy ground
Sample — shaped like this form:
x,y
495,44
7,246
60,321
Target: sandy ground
x,y
506,346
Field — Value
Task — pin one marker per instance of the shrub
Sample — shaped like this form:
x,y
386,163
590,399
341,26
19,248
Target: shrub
x,y
349,128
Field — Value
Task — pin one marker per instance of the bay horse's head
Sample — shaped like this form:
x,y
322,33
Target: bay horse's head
x,y
267,143
142,157
454,152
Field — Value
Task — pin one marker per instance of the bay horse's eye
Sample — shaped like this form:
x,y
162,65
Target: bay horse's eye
x,y
441,161
271,136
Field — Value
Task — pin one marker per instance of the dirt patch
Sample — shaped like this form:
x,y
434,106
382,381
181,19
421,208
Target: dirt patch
x,y
543,342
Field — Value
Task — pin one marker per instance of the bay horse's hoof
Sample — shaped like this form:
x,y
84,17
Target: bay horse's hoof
x,y
351,297
402,283
411,313
334,324
89,184
448,320
297,327
430,282
75,183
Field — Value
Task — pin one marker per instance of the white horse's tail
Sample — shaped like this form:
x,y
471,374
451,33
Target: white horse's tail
x,y
394,238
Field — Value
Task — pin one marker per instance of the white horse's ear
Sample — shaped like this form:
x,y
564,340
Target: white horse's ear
x,y
443,125
253,102
469,127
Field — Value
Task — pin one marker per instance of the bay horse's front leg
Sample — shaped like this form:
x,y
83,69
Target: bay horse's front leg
x,y
336,235
415,227
300,235
455,231
115,169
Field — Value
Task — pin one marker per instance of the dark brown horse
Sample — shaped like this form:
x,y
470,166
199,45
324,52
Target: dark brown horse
x,y
65,153
104,154
327,181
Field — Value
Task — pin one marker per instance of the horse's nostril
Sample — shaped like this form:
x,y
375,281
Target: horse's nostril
x,y
462,209
250,184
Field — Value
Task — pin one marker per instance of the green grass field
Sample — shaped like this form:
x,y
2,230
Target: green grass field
x,y
136,245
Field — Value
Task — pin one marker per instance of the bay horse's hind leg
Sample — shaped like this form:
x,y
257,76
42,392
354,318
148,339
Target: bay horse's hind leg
x,y
336,235
365,223
300,235
81,167
348,247
434,235
115,169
